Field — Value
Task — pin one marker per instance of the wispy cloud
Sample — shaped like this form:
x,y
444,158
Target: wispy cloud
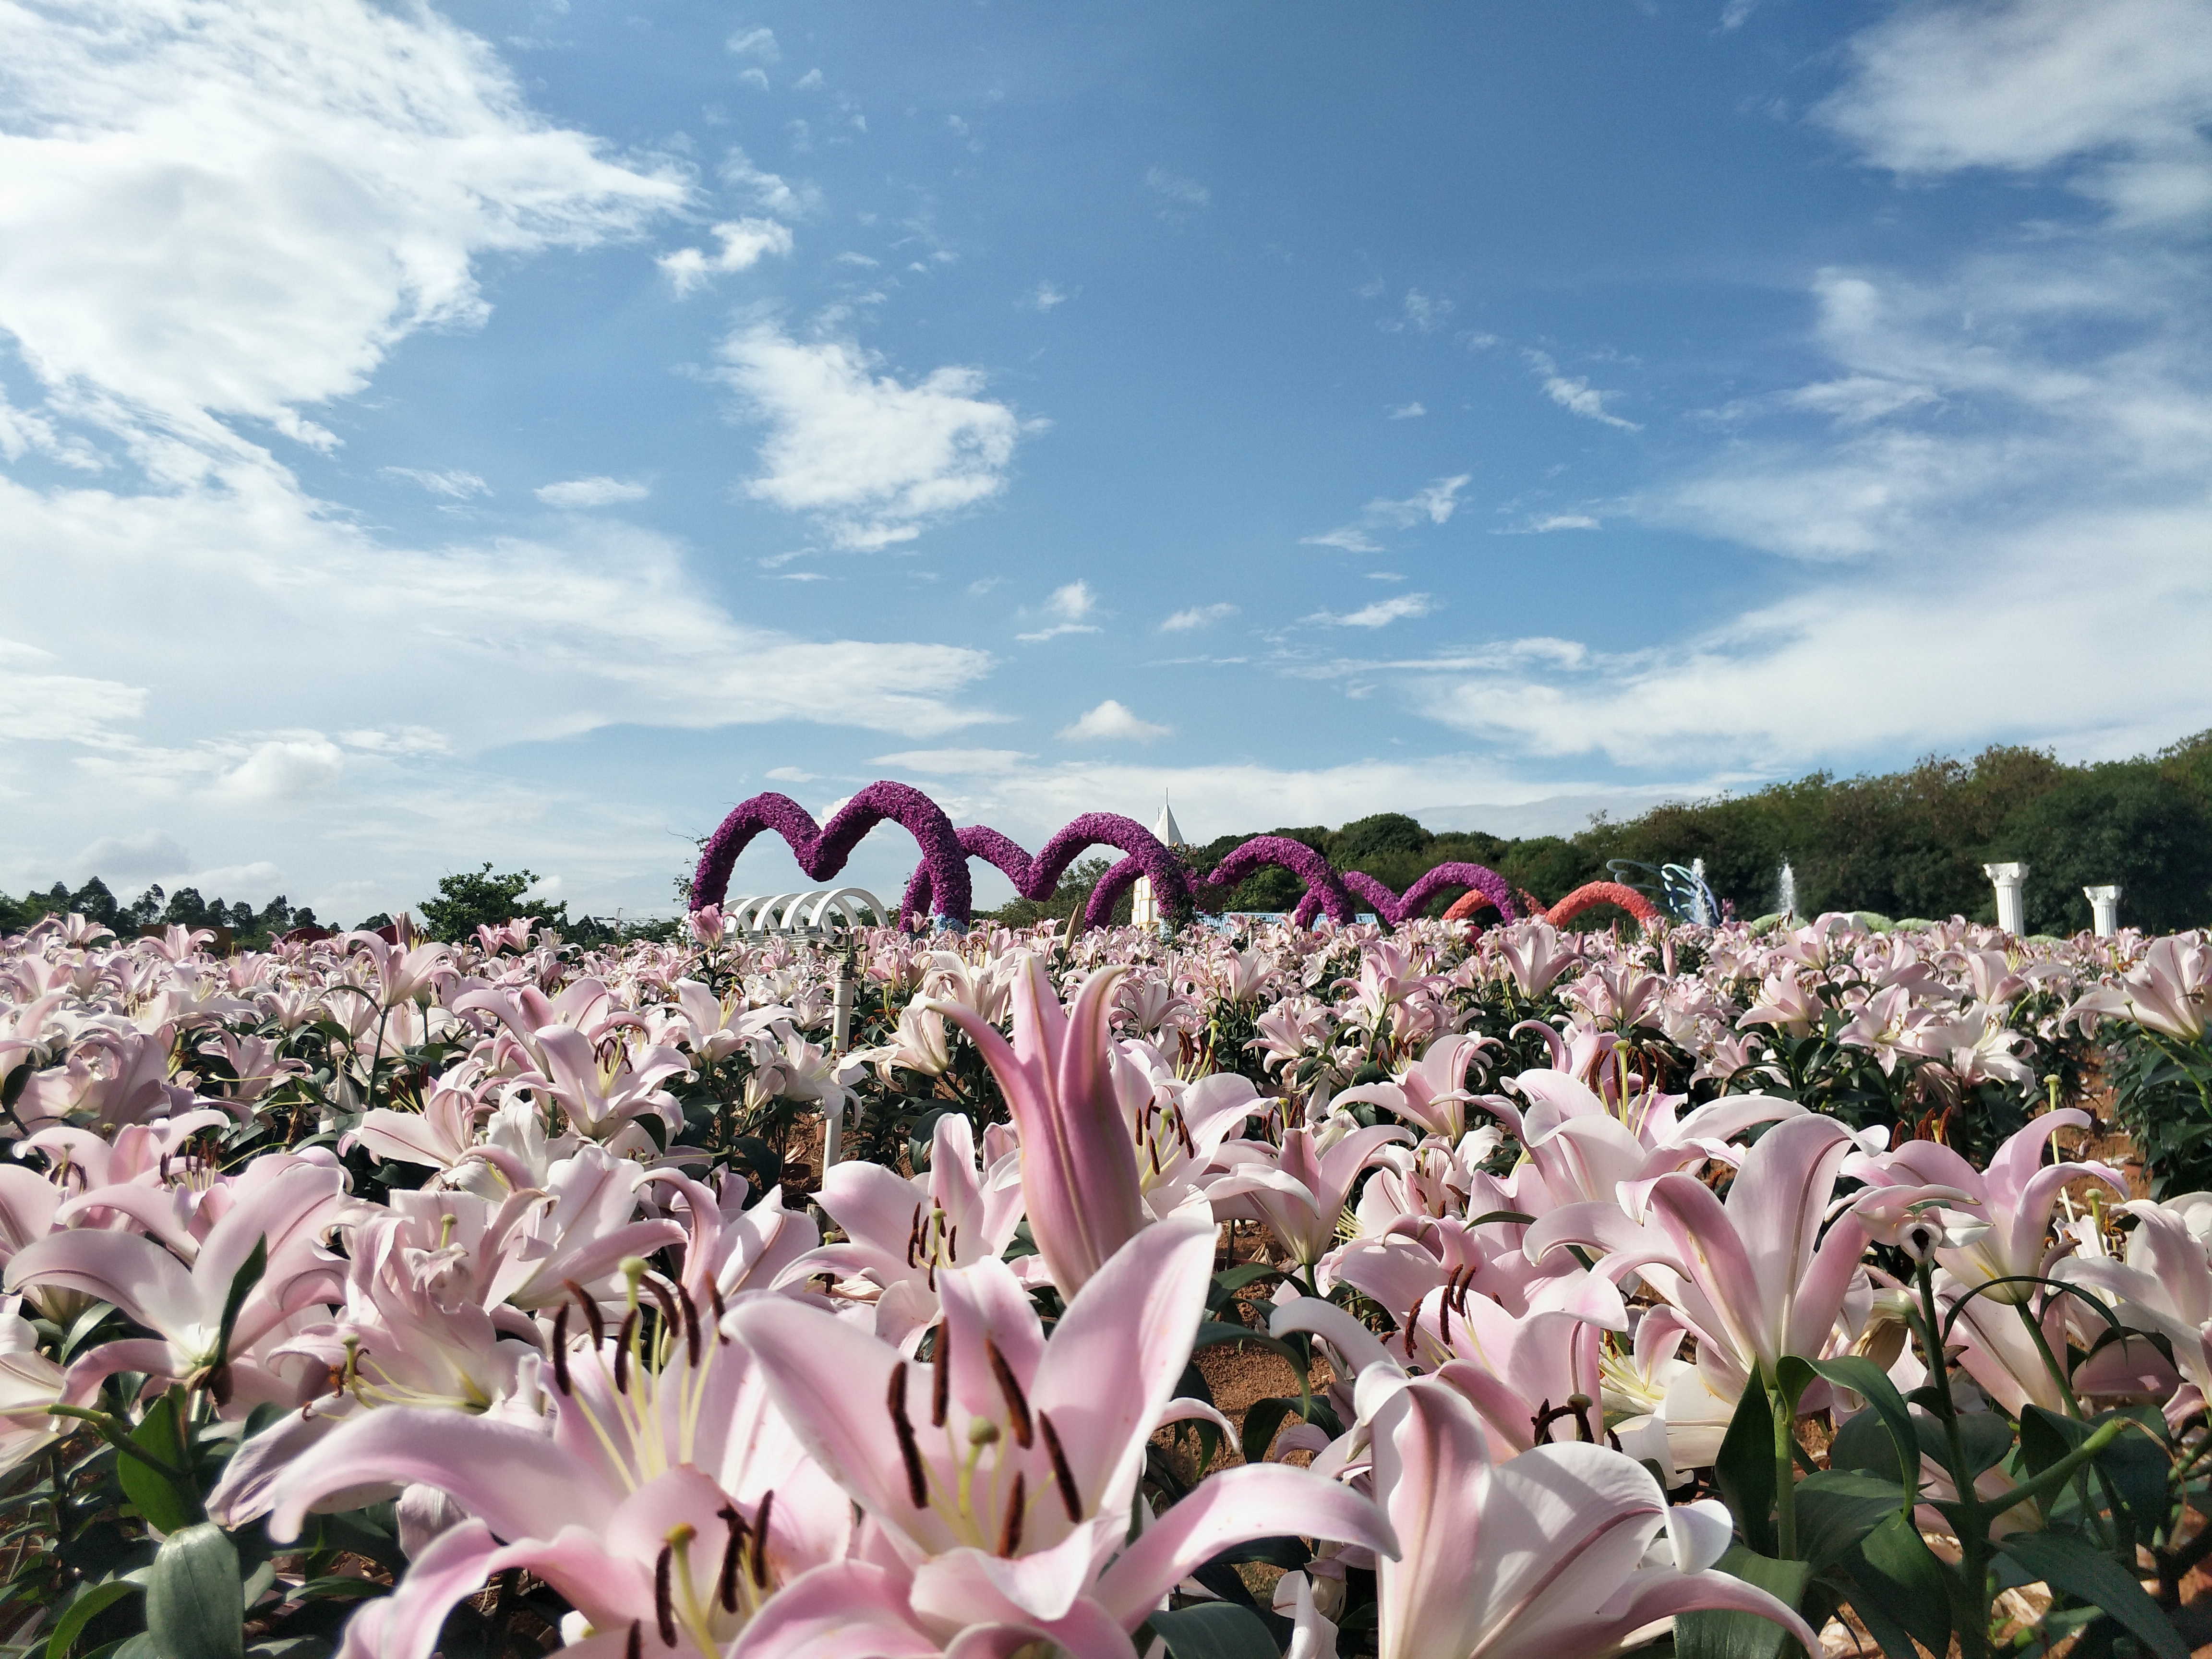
x,y
1112,722
744,243
1575,394
955,762
1198,616
454,486
1425,313
1072,604
755,43
1180,192
1044,296
1563,521
1380,614
1435,504
591,492
1406,411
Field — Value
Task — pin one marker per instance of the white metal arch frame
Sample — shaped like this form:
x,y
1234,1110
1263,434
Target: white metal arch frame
x,y
791,913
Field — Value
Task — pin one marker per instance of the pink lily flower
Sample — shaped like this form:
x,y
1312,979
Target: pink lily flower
x,y
287,1211
1002,1474
664,1499
1753,1277
1547,1553
1298,1190
1432,1094
901,1234
1080,1183
2016,1195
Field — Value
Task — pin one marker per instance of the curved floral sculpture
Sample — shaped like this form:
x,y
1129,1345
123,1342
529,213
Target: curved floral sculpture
x,y
1603,892
822,849
1485,886
1325,888
1039,878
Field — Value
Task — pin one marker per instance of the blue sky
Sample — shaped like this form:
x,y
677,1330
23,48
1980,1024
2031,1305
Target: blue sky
x,y
521,431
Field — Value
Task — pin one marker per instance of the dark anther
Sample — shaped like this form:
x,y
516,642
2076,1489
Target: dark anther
x,y
636,1647
758,1561
561,1349
914,1239
1579,1404
732,1553
1413,1318
669,1318
664,1603
1070,1499
622,1352
917,1477
691,1325
1017,1408
591,1311
1010,1529
940,1375
714,1290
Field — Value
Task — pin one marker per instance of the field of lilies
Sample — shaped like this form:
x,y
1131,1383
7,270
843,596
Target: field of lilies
x,y
1701,1289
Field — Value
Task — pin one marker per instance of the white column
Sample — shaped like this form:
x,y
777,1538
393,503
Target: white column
x,y
2009,879
1143,909
840,1039
2106,902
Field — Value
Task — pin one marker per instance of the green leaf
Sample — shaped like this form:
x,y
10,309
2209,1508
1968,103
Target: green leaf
x,y
194,1600
1213,1331
1714,1634
1263,1420
1215,1630
1837,1508
1251,1272
2089,1574
81,1611
1869,1380
241,1285
1745,1469
160,1499
1903,1594
1864,1445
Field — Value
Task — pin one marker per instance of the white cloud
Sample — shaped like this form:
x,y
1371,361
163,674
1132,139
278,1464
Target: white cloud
x,y
140,857
810,82
955,762
1111,722
1044,296
1563,521
1574,393
292,767
1198,616
1072,604
1183,192
233,209
871,459
1436,504
1380,614
2122,86
744,243
1406,411
791,774
1346,538
769,191
755,43
595,491
1423,312
454,485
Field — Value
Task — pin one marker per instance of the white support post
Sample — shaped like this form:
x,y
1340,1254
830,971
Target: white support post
x,y
841,1038
2106,902
2009,880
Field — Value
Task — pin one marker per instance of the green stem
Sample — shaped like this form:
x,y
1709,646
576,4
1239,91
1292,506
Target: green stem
x,y
1785,1472
1973,1569
2050,1359
113,1434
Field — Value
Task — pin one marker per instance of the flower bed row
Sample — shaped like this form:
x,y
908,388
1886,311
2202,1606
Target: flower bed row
x,y
387,1297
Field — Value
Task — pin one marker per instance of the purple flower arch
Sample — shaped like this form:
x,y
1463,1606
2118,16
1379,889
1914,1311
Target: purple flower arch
x,y
1395,909
1325,888
822,849
1039,878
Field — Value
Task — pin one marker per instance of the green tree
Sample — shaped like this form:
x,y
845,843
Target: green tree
x,y
478,898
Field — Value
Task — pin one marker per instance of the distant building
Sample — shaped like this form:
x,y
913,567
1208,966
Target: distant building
x,y
1144,907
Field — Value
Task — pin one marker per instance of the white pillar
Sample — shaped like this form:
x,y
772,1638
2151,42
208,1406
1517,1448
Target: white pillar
x,y
1143,909
2106,902
2009,879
